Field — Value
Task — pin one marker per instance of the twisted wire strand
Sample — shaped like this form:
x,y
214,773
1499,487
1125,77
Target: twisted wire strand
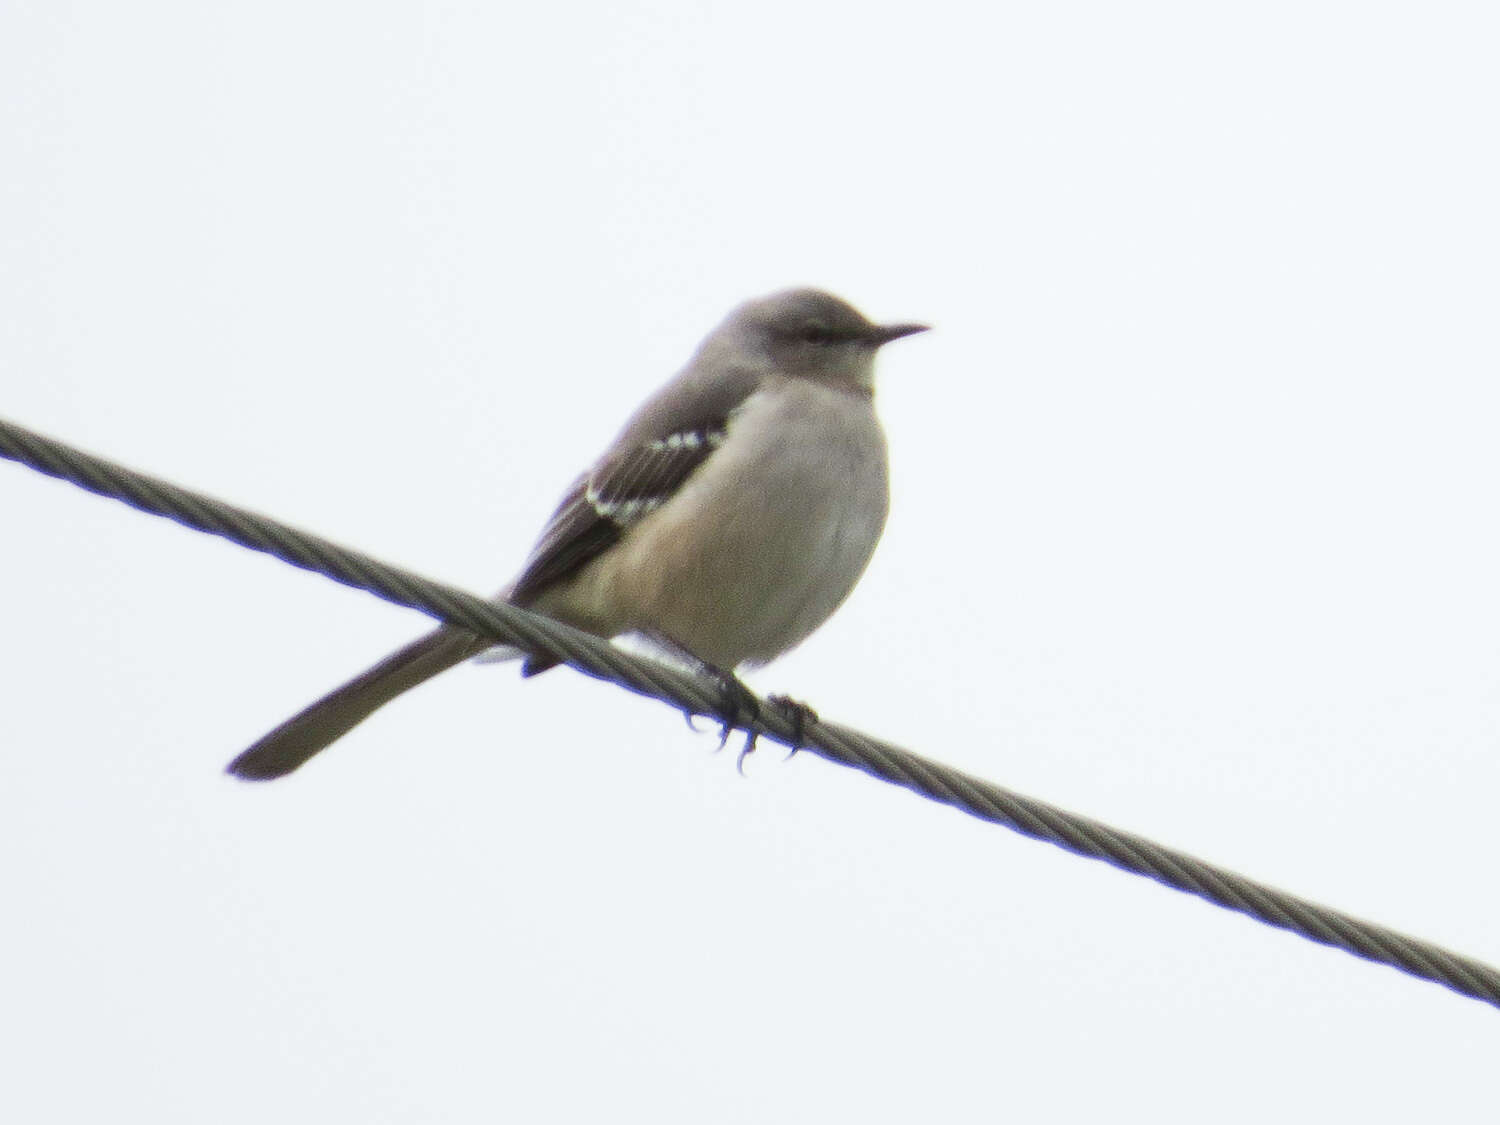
x,y
506,624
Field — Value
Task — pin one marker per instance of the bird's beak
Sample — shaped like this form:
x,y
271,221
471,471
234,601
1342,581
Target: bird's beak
x,y
885,333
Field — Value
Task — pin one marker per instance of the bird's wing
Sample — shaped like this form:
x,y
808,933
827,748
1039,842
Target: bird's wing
x,y
666,442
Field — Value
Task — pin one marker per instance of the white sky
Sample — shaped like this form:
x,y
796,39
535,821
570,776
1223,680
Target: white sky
x,y
1194,531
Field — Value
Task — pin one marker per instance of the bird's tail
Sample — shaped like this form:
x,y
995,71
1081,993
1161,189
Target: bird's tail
x,y
344,708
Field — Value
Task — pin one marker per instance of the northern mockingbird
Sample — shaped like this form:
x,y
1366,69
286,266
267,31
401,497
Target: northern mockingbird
x,y
731,516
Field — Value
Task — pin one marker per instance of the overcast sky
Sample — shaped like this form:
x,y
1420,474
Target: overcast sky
x,y
1194,531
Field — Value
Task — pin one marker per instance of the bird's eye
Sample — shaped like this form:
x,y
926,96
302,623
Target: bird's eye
x,y
815,332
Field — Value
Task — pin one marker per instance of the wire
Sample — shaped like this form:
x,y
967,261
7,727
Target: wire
x,y
505,624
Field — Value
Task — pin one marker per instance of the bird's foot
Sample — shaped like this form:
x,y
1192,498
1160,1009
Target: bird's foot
x,y
798,714
738,709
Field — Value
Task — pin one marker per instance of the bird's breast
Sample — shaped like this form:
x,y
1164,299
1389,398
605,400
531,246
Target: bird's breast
x,y
769,536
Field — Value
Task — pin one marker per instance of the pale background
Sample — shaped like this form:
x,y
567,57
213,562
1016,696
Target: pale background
x,y
1194,531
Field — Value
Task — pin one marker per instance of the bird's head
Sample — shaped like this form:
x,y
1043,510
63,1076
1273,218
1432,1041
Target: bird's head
x,y
809,334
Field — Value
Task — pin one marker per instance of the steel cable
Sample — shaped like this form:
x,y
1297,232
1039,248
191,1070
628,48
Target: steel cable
x,y
698,695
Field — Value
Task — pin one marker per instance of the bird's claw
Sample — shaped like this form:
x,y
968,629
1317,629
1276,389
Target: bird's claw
x,y
745,752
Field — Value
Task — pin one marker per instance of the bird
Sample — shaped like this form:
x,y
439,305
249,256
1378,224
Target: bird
x,y
733,513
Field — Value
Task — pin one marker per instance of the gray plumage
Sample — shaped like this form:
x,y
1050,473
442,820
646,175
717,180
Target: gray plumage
x,y
731,516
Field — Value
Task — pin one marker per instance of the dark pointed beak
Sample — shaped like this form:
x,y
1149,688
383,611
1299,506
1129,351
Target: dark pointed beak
x,y
885,333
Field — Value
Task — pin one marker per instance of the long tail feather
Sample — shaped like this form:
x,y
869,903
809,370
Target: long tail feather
x,y
344,708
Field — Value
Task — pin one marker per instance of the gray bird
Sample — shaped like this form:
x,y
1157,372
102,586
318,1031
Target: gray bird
x,y
732,515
